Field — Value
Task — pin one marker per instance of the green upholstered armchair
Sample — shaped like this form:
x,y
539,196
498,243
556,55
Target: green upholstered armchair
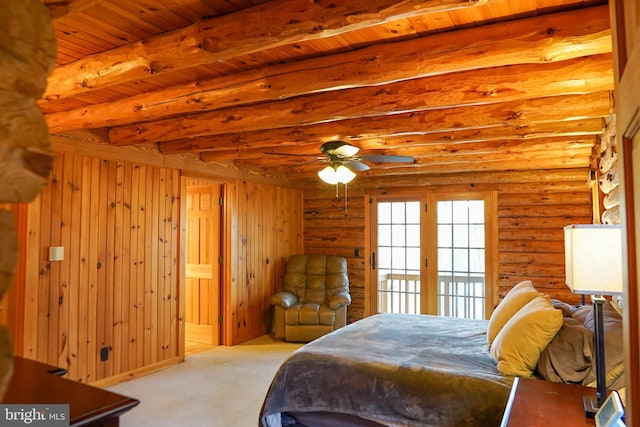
x,y
314,297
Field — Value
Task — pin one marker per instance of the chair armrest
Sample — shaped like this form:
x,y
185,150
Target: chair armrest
x,y
340,299
284,299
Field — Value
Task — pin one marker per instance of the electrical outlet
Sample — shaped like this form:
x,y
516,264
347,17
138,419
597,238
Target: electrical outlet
x,y
104,354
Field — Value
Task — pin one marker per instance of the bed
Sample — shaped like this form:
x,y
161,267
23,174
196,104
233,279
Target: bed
x,y
406,370
392,369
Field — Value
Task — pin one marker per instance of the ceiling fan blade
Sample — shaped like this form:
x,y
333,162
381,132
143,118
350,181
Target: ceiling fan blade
x,y
382,159
271,153
356,165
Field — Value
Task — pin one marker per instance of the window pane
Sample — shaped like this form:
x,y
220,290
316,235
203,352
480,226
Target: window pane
x,y
398,260
445,261
384,235
477,260
413,259
460,235
476,237
413,212
445,236
444,213
398,234
413,235
384,213
476,211
397,212
460,260
460,212
384,257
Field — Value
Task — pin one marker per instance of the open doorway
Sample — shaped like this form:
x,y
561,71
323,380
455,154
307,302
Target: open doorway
x,y
202,264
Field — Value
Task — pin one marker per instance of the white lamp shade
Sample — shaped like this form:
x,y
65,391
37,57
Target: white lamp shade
x,y
328,175
345,175
333,176
593,259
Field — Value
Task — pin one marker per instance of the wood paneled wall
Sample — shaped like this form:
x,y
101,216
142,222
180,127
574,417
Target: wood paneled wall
x,y
532,210
266,228
117,285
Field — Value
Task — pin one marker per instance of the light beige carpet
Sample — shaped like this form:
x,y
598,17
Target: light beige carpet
x,y
222,387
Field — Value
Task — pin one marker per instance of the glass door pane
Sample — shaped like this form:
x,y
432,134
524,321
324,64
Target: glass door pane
x,y
461,258
398,269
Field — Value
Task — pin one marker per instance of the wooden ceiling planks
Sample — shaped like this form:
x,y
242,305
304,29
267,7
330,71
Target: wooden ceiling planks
x,y
184,75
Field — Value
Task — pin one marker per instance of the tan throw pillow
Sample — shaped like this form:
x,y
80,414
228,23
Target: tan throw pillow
x,y
515,299
518,346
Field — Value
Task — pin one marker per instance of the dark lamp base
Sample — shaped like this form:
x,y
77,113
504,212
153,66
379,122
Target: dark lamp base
x,y
590,406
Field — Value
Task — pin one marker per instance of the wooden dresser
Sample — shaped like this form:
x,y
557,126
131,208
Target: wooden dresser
x,y
537,403
38,383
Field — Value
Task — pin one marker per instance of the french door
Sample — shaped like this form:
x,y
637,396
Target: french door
x,y
432,254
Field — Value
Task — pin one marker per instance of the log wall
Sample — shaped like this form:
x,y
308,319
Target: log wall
x,y
532,210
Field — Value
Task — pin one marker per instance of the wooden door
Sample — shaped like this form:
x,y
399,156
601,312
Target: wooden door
x,y
625,17
202,272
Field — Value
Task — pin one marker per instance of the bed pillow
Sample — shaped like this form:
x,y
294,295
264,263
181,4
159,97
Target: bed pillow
x,y
569,356
517,347
515,299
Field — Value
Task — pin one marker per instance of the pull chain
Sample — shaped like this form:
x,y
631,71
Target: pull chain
x,y
345,200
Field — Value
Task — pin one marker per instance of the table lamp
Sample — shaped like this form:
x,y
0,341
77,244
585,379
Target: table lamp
x,y
593,262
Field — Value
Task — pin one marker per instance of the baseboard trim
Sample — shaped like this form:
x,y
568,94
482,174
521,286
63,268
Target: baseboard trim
x,y
137,373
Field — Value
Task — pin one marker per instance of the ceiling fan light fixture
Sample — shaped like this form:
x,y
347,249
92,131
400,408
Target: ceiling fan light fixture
x,y
328,175
345,175
348,150
340,174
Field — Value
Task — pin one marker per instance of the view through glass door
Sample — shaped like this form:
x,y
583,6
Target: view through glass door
x,y
399,257
432,261
461,258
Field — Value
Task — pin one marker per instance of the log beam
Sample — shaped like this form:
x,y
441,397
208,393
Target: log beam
x,y
307,140
469,88
510,114
62,8
265,26
437,54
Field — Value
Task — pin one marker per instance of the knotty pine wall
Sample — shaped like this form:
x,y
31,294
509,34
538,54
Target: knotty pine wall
x,y
533,207
266,228
119,284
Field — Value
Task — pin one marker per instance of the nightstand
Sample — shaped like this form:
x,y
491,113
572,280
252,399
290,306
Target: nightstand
x,y
543,403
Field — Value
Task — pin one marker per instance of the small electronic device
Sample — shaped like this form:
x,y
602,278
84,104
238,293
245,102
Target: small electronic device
x,y
611,413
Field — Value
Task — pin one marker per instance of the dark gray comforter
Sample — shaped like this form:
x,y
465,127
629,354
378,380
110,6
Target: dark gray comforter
x,y
396,369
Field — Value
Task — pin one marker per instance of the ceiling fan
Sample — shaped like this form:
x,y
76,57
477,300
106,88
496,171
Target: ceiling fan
x,y
343,158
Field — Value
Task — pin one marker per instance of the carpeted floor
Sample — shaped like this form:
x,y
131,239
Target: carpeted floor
x,y
223,387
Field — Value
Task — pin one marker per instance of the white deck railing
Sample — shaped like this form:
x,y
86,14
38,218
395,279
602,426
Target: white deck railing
x,y
458,295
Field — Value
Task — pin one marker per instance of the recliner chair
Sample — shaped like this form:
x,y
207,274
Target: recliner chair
x,y
314,297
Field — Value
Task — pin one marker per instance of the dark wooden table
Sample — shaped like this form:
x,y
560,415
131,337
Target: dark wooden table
x,y
540,403
38,383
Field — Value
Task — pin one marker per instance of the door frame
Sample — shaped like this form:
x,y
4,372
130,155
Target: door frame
x,y
625,25
224,291
428,196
